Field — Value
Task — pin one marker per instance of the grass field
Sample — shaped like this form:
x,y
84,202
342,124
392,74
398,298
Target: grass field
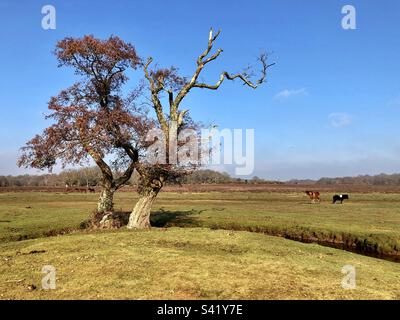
x,y
196,262
369,221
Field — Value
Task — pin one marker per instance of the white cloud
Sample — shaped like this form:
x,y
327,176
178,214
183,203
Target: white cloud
x,y
284,94
340,119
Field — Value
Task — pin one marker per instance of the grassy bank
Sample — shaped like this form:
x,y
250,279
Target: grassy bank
x,y
188,263
369,222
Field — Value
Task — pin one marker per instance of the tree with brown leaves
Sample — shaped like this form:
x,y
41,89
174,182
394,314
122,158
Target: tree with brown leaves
x,y
91,119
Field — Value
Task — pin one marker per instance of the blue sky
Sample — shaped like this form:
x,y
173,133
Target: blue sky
x,y
331,106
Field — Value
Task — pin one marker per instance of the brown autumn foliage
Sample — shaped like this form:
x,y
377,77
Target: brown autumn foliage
x,y
91,119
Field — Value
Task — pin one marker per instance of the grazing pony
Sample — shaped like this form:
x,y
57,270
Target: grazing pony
x,y
340,197
92,190
314,196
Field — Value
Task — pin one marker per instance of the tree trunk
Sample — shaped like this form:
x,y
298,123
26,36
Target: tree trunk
x,y
140,216
105,203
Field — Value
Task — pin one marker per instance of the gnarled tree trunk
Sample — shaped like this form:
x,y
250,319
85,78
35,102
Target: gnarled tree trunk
x,y
140,216
105,203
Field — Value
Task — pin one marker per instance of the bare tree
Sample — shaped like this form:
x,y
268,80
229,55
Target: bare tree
x,y
172,119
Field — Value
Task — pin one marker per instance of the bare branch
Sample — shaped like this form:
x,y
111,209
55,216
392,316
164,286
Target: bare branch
x,y
154,96
214,56
202,60
181,115
242,76
200,65
211,39
146,71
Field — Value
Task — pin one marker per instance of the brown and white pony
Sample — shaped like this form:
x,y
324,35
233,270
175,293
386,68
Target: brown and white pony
x,y
314,196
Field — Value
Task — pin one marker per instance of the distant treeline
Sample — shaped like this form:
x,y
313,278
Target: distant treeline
x,y
79,177
210,176
367,180
91,177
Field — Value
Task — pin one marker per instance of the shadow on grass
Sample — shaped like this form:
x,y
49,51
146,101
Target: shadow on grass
x,y
162,218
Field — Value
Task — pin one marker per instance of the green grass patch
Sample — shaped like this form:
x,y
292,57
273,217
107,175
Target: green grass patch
x,y
368,222
189,263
